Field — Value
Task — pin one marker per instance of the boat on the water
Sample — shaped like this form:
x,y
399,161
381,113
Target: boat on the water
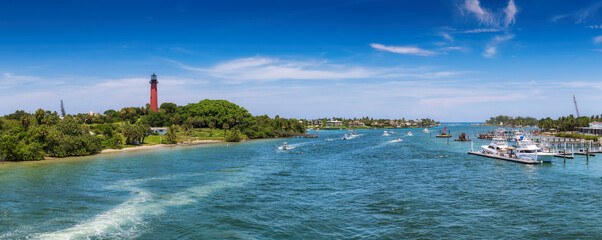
x,y
462,138
385,134
410,134
443,133
497,146
398,140
426,130
285,146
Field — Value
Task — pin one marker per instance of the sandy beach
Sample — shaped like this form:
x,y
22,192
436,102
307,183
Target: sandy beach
x,y
146,147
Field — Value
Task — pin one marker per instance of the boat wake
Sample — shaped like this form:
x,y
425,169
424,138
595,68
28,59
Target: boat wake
x,y
126,220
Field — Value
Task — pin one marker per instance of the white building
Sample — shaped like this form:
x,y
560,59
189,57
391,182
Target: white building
x,y
334,123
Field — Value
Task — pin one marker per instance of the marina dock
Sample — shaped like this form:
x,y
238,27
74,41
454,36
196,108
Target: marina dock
x,y
524,161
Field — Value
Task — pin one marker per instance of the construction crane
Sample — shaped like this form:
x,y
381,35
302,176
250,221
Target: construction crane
x,y
576,108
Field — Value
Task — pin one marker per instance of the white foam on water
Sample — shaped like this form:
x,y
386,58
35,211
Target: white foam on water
x,y
125,220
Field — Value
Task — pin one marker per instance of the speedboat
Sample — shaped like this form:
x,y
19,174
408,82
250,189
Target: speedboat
x,y
410,134
391,132
385,133
498,146
426,130
285,146
398,140
346,137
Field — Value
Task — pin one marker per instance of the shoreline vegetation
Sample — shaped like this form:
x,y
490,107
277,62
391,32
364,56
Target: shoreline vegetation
x,y
47,135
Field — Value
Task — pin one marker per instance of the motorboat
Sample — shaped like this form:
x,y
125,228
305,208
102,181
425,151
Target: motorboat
x,y
498,146
526,147
285,146
346,137
410,134
385,133
426,130
398,140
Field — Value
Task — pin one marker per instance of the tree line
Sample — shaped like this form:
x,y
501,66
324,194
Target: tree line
x,y
33,136
561,124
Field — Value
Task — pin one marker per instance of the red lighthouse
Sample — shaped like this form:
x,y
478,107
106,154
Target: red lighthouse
x,y
153,99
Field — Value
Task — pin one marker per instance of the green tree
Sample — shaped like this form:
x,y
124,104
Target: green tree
x,y
169,108
172,135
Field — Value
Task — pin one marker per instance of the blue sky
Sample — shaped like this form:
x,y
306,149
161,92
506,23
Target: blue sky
x,y
454,60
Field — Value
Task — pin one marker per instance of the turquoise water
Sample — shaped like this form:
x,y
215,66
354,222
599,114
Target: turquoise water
x,y
368,187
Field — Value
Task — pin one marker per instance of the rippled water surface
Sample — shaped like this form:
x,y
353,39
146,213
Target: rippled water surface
x,y
368,187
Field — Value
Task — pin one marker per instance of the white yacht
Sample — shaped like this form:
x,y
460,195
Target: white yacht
x,y
410,134
497,146
527,148
385,133
346,137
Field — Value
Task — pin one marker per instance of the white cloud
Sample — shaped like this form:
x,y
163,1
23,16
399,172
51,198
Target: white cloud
x,y
482,30
447,36
483,15
598,39
488,18
588,12
492,46
510,13
490,51
595,26
263,69
411,50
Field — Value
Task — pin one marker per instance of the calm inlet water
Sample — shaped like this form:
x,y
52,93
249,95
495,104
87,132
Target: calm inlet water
x,y
368,187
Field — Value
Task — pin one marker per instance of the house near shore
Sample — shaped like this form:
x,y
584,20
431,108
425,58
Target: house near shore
x,y
334,123
594,129
159,130
357,123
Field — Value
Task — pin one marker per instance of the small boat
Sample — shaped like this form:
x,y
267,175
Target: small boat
x,y
385,134
346,137
462,138
391,132
426,130
398,140
410,134
443,134
285,146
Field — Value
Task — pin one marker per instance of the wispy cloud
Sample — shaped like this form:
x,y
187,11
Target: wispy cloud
x,y
492,47
482,30
489,18
262,69
588,12
447,36
598,39
595,26
410,50
582,15
510,12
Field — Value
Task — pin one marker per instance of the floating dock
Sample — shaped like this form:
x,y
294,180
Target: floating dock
x,y
524,161
567,156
